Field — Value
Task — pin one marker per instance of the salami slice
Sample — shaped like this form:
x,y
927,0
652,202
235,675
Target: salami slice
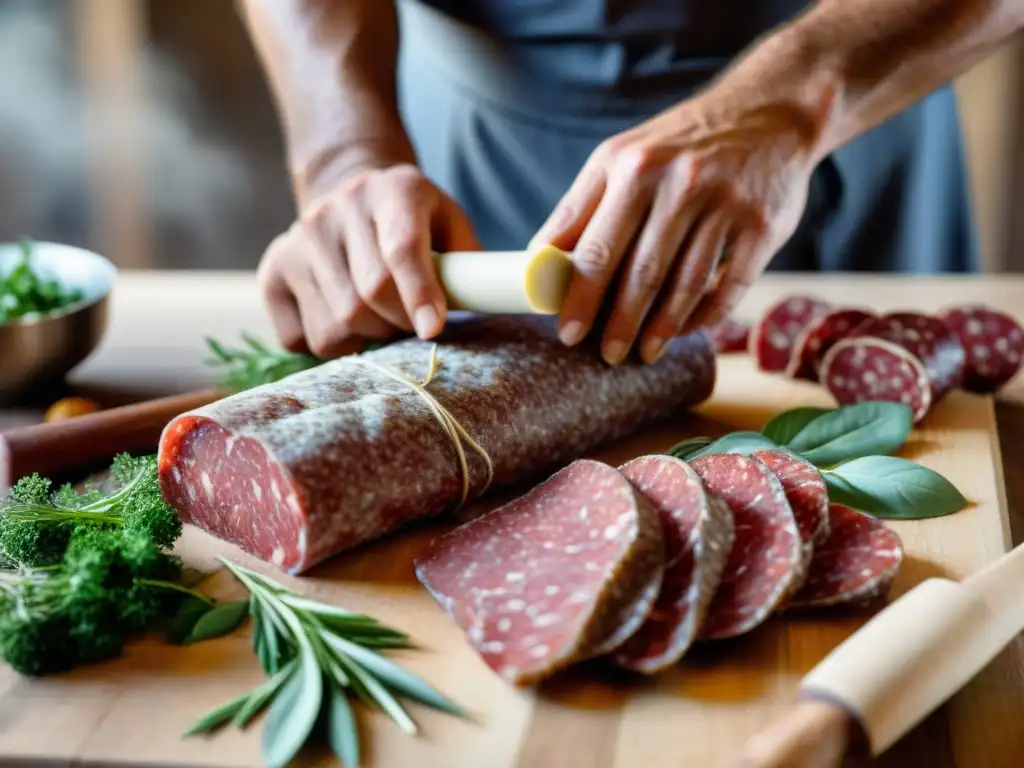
x,y
698,532
296,471
818,338
929,340
994,343
863,369
730,336
807,495
773,336
566,572
856,564
765,559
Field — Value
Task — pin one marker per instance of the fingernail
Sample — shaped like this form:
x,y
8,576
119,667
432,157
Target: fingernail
x,y
426,320
571,333
654,349
614,352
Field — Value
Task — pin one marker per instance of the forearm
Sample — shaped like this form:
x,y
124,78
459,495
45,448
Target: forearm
x,y
851,64
331,68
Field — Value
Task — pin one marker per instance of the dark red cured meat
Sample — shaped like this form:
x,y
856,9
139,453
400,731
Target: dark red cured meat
x,y
994,343
818,338
730,336
299,470
807,495
855,565
773,336
698,532
565,572
863,369
929,340
765,559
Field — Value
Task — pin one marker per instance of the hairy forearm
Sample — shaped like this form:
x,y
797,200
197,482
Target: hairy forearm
x,y
851,64
331,69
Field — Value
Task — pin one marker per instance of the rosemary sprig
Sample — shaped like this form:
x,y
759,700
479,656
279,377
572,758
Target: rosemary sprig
x,y
315,656
255,364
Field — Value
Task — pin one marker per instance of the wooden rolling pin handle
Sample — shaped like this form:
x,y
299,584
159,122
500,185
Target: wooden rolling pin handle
x,y
59,446
815,734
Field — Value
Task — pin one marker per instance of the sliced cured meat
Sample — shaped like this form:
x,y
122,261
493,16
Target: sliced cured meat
x,y
765,559
993,342
563,573
856,564
296,471
929,340
818,338
807,495
773,336
863,369
698,533
730,336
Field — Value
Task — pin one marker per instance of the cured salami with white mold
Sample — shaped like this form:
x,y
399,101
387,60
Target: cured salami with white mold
x,y
993,342
698,533
856,564
566,572
819,336
296,471
731,336
774,335
766,557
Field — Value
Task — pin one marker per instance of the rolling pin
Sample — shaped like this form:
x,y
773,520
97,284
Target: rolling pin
x,y
899,667
54,448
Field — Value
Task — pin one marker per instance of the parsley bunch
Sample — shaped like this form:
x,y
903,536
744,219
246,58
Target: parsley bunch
x,y
23,291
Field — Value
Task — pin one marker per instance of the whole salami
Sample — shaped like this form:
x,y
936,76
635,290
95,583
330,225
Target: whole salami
x,y
994,343
773,336
766,558
564,573
698,532
296,471
856,563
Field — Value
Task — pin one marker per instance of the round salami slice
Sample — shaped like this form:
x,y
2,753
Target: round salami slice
x,y
818,338
765,559
566,572
994,343
862,369
856,564
730,336
807,495
929,340
773,336
698,531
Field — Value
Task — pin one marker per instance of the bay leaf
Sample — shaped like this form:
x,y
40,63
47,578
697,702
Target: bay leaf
x,y
736,442
867,429
189,612
894,488
219,620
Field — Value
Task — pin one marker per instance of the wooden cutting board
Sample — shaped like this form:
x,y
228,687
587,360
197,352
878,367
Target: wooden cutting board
x,y
131,711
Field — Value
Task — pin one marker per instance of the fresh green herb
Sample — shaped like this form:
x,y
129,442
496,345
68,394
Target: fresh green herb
x,y
788,424
36,524
736,442
189,612
315,655
684,448
890,487
852,432
23,291
218,621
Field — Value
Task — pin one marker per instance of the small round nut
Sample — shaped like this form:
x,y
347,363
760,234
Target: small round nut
x,y
69,408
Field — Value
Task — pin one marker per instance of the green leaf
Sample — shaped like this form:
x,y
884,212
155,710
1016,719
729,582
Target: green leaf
x,y
342,734
867,429
259,697
380,696
684,448
736,442
890,487
401,680
219,621
294,712
788,424
189,612
216,718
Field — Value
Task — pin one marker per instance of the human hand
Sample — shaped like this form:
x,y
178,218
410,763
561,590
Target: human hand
x,y
358,263
688,209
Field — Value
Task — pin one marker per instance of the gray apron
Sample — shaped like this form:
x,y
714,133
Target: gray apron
x,y
505,100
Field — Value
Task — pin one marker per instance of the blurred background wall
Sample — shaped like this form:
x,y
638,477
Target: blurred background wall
x,y
143,129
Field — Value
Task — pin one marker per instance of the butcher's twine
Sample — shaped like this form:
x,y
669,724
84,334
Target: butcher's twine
x,y
451,426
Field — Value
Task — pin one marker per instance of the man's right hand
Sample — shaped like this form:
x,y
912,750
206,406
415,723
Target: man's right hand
x,y
358,263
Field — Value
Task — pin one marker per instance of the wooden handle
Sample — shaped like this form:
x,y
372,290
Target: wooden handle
x,y
54,448
814,734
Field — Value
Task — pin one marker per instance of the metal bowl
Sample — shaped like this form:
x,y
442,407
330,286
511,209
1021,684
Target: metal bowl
x,y
37,351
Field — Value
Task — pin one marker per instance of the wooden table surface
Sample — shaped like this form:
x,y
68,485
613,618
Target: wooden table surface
x,y
154,346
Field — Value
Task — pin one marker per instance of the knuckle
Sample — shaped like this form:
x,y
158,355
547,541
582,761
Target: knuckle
x,y
409,183
647,273
400,251
375,287
593,257
636,162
